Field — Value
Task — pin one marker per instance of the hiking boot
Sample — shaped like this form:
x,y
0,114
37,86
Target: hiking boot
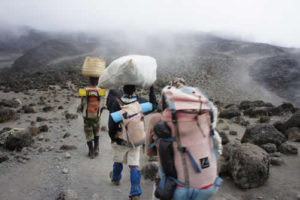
x,y
96,152
134,197
114,182
91,155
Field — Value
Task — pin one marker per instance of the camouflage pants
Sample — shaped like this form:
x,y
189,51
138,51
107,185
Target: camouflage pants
x,y
91,128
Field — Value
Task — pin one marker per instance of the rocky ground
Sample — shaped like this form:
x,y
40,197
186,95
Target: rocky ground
x,y
48,160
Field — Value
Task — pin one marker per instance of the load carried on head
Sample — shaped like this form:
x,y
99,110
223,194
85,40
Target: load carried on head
x,y
135,70
92,67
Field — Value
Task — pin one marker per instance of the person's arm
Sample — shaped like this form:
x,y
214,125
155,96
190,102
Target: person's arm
x,y
112,126
152,98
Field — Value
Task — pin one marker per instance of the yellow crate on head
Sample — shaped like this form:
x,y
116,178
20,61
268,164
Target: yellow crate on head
x,y
93,66
82,92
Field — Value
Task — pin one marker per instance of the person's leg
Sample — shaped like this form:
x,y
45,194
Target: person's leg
x,y
96,131
116,174
88,129
133,160
135,179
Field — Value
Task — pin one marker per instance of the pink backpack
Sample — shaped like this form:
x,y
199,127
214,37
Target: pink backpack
x,y
188,114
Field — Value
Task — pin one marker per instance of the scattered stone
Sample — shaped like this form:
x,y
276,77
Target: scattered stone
x,y
66,135
48,108
67,147
233,133
44,128
60,107
269,147
260,134
67,155
224,137
288,148
293,134
65,171
41,150
47,139
276,161
103,128
18,139
230,112
248,164
264,119
149,171
41,119
276,154
28,109
33,129
3,157
68,195
6,114
13,103
71,116
40,138
240,120
5,129
220,121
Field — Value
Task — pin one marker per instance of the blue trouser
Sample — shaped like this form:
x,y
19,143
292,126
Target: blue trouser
x,y
196,194
135,178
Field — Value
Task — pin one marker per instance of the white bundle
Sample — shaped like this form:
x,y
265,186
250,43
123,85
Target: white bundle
x,y
129,70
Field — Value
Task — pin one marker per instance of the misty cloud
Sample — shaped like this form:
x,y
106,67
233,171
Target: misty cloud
x,y
269,21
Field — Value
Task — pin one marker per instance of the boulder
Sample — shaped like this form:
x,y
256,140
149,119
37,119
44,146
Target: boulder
x,y
149,171
230,112
6,114
257,112
29,109
293,134
224,137
3,157
18,139
244,105
41,119
294,121
247,163
48,108
260,134
269,147
288,148
264,119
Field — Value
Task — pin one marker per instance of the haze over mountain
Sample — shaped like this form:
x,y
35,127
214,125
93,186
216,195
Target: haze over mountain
x,y
228,70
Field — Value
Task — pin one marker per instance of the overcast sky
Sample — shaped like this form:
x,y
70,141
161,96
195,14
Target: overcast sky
x,y
270,21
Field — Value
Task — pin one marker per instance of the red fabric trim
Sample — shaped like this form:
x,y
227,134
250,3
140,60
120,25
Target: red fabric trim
x,y
203,188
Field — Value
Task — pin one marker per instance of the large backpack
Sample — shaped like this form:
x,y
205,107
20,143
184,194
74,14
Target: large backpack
x,y
133,128
92,104
189,113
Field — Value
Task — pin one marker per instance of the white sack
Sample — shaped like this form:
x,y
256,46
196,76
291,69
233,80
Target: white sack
x,y
129,70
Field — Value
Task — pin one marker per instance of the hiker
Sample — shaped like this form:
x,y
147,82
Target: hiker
x,y
186,143
126,150
91,105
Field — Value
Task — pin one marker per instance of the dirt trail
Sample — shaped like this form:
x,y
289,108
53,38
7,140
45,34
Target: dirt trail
x,y
41,176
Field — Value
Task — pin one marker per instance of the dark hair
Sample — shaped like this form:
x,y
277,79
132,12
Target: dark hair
x,y
94,81
129,89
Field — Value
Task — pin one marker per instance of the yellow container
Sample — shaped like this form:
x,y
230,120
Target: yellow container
x,y
82,92
93,66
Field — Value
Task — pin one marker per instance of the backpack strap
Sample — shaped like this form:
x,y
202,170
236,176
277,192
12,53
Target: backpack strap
x,y
179,146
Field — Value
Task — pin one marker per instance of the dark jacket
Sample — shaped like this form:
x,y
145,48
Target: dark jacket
x,y
111,97
115,127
